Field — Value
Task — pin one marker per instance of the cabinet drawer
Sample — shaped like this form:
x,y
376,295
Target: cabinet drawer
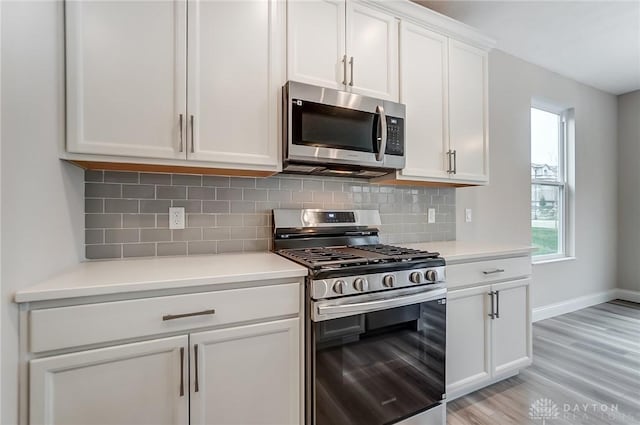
x,y
63,327
466,274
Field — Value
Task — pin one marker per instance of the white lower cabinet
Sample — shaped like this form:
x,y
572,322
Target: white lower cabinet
x,y
468,338
226,366
139,383
488,334
245,375
512,328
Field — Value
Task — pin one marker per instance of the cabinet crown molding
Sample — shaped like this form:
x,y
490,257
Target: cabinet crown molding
x,y
418,14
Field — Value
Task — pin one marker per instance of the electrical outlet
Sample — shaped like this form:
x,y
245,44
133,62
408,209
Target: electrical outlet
x,y
176,218
468,215
431,216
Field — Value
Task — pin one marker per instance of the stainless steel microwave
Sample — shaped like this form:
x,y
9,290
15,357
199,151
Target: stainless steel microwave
x,y
332,132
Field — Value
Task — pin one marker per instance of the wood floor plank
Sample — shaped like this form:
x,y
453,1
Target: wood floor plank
x,y
586,362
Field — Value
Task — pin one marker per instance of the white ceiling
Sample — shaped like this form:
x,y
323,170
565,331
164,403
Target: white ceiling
x,y
594,42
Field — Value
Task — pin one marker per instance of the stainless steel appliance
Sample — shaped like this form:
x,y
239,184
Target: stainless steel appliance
x,y
332,132
375,320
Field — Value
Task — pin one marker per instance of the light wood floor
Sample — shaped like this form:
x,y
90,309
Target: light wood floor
x,y
585,361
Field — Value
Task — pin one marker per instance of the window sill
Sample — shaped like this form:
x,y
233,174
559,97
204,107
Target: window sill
x,y
552,260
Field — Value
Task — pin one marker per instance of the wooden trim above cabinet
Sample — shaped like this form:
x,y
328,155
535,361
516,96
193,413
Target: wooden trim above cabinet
x,y
174,169
391,180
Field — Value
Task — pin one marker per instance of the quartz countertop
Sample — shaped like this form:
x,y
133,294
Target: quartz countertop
x,y
465,251
95,278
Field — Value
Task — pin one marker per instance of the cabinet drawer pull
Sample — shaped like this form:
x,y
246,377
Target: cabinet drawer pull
x,y
182,316
494,271
181,371
195,354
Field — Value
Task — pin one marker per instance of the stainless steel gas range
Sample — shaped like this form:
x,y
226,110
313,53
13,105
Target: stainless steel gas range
x,y
375,320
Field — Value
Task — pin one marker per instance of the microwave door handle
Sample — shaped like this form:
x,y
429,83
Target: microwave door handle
x,y
382,140
322,313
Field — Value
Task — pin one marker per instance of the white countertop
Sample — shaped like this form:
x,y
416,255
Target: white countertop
x,y
461,251
111,277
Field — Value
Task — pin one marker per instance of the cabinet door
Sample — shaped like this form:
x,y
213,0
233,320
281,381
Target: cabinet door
x,y
129,384
512,329
423,88
126,77
372,50
247,375
468,339
316,42
236,68
468,111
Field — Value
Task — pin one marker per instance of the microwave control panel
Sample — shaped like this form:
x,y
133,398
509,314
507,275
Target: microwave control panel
x,y
395,136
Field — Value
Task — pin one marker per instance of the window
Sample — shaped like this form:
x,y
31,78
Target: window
x,y
549,188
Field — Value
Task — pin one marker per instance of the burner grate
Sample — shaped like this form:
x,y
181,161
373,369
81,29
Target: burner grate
x,y
397,252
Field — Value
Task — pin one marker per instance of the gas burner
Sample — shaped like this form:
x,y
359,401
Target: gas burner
x,y
397,253
323,257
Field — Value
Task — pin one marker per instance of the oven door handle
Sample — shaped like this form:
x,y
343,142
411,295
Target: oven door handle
x,y
326,312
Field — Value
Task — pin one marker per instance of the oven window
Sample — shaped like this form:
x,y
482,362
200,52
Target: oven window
x,y
326,126
379,368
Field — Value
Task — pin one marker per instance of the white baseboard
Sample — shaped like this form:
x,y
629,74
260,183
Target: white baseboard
x,y
628,295
568,306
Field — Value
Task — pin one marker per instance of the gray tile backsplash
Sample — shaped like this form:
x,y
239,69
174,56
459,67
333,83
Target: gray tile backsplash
x,y
126,214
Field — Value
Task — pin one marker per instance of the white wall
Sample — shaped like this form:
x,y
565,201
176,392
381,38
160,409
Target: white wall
x,y
501,211
629,191
42,198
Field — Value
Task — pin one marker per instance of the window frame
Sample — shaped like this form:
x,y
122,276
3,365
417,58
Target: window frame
x,y
562,183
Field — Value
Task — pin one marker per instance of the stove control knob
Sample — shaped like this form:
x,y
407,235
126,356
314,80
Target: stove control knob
x,y
361,284
415,277
431,275
389,280
339,287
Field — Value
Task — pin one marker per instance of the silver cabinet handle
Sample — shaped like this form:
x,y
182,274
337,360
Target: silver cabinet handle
x,y
455,161
493,306
497,304
382,141
192,147
449,166
494,271
195,358
181,135
182,316
344,70
181,371
351,63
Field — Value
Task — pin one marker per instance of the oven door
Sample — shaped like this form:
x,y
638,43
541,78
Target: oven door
x,y
376,360
331,126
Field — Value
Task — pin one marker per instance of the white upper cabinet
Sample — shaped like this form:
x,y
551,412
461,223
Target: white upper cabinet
x,y
316,42
423,88
126,64
444,84
128,82
468,110
345,45
236,70
372,51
